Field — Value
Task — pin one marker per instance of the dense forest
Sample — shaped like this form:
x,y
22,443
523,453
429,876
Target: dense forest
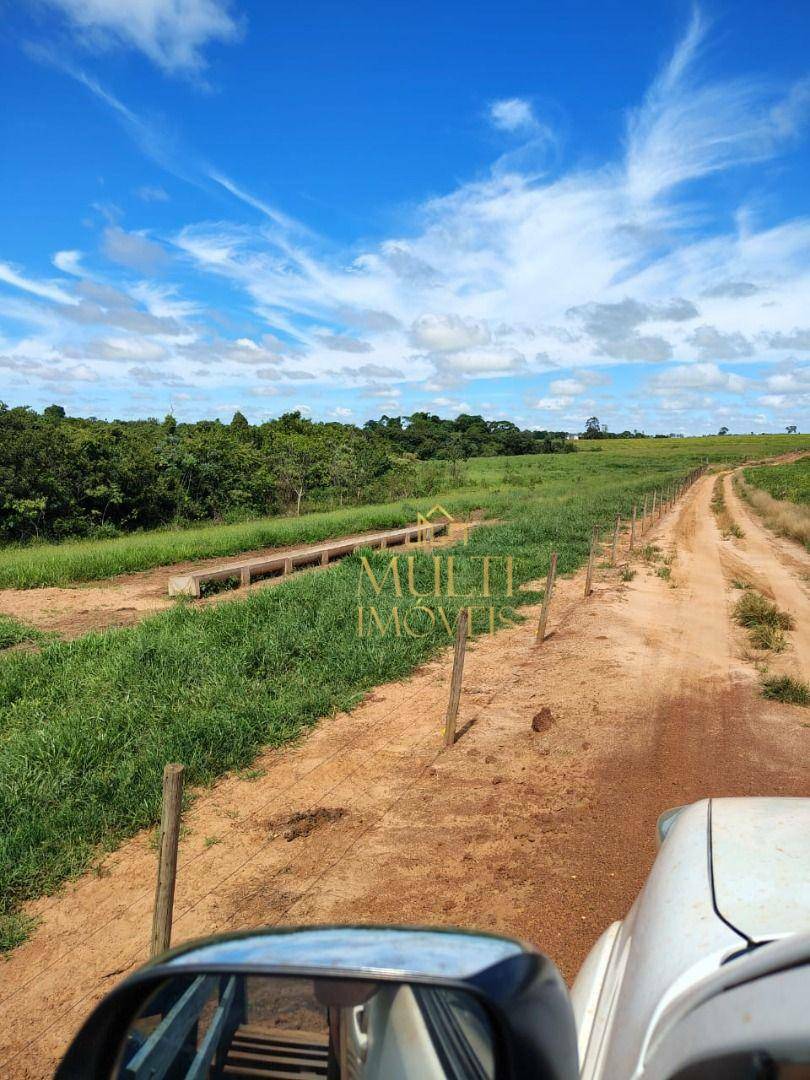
x,y
64,476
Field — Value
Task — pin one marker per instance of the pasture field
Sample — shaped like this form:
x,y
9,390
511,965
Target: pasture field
x,y
480,480
86,726
788,481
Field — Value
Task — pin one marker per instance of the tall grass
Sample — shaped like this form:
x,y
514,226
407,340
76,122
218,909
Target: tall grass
x,y
787,690
86,726
765,623
89,560
780,494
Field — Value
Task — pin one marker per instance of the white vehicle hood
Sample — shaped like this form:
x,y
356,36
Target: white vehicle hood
x,y
761,865
730,872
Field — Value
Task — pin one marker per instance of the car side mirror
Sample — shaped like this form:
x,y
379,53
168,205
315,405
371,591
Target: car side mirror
x,y
335,1002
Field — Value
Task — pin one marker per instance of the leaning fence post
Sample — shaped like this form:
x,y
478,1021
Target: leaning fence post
x,y
591,556
633,527
652,512
615,548
644,514
552,574
455,682
167,858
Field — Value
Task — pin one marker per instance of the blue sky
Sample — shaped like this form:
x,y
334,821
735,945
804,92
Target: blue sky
x,y
538,211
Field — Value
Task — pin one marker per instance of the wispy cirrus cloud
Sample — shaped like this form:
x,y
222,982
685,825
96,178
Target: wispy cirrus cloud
x,y
171,33
44,289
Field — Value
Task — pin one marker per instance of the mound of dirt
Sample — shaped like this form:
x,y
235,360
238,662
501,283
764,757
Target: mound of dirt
x,y
303,822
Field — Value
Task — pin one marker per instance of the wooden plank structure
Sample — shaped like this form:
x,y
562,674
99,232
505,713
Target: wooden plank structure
x,y
245,570
199,1029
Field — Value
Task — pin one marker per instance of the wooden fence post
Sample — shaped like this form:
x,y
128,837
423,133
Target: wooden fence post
x,y
644,514
633,528
614,550
455,682
591,556
552,574
652,512
167,858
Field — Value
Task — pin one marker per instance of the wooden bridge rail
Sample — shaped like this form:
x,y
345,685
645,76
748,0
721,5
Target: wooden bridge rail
x,y
285,562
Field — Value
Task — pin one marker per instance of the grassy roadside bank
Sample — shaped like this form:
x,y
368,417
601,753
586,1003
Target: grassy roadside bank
x,y
780,494
86,726
92,560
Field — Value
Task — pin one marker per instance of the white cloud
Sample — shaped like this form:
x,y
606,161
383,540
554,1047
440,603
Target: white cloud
x,y
581,382
69,262
482,362
688,128
448,333
43,289
172,33
448,405
131,349
552,404
512,114
699,376
795,379
251,200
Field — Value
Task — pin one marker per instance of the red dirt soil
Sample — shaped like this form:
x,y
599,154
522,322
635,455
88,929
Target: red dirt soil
x,y
544,834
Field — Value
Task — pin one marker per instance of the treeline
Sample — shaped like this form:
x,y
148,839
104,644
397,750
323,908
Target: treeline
x,y
64,477
429,437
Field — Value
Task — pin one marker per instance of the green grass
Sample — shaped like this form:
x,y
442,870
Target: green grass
x,y
787,690
753,610
91,560
86,726
788,482
765,623
768,638
15,632
14,929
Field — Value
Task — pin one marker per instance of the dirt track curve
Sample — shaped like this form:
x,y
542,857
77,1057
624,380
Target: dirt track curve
x,y
546,835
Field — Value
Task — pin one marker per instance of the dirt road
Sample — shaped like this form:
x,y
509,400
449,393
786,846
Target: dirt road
x,y
643,699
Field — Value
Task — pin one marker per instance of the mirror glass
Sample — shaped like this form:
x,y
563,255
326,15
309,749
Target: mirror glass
x,y
278,1027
